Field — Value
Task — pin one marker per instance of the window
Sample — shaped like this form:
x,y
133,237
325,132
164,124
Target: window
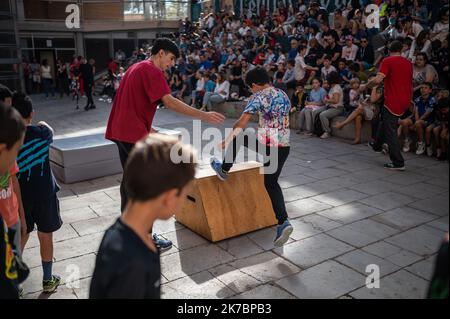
x,y
155,9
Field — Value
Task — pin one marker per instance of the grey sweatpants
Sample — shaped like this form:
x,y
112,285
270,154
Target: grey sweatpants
x,y
327,115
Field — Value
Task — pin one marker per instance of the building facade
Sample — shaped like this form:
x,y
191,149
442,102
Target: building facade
x,y
61,29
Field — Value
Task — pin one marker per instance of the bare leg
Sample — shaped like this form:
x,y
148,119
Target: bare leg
x,y
419,130
46,245
350,118
358,128
428,133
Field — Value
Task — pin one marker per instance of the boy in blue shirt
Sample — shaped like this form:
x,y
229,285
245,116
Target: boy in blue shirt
x,y
39,188
422,118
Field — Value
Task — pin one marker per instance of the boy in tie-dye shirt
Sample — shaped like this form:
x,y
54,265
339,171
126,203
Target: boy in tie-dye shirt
x,y
273,107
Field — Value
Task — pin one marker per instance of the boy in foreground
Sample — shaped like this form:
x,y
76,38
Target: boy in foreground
x,y
128,264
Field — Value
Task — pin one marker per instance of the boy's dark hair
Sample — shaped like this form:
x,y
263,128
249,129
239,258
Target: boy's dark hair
x,y
279,75
300,48
22,103
428,84
318,79
342,60
327,57
291,62
257,76
395,46
5,92
167,45
12,126
355,67
150,171
333,78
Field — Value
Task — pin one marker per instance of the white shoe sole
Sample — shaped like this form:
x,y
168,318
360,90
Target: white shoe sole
x,y
284,236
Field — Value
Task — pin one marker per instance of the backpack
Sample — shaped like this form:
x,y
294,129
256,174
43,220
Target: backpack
x,y
318,130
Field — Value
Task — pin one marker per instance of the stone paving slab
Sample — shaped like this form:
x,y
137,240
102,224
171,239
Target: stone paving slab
x,y
326,280
313,250
265,292
362,233
265,267
400,285
350,212
199,286
423,240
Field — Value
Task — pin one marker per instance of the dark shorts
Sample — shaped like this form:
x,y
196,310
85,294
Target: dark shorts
x,y
44,214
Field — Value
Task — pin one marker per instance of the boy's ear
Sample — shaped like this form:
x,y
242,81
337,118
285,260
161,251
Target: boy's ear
x,y
169,196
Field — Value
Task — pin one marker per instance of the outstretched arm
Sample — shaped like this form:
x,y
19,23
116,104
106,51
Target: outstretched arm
x,y
182,108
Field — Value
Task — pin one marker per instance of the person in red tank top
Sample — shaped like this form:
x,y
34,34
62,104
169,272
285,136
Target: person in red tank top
x,y
397,74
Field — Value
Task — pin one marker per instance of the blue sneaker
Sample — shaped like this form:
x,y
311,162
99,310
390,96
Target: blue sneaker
x,y
216,165
161,243
283,233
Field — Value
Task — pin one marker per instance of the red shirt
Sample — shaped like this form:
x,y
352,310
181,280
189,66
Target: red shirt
x,y
135,103
398,83
113,67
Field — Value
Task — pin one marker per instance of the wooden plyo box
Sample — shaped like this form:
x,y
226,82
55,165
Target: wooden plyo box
x,y
217,209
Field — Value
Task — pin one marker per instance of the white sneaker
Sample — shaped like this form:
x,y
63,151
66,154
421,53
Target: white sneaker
x,y
420,148
325,135
438,153
406,145
429,151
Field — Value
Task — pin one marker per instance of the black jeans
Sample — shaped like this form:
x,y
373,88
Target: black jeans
x,y
124,151
387,133
88,91
270,179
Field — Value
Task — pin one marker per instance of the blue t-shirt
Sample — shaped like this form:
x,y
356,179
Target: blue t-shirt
x,y
206,65
424,106
35,176
345,72
210,86
317,96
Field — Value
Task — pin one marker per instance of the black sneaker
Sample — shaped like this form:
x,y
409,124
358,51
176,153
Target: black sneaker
x,y
87,107
161,243
376,149
392,167
92,107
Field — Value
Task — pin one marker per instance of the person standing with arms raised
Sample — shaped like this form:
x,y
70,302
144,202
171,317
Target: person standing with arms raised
x,y
397,74
142,88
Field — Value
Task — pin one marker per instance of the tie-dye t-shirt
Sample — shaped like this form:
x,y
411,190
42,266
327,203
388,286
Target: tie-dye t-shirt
x,y
273,107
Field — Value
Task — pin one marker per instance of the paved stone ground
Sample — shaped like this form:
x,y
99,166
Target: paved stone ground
x,y
346,210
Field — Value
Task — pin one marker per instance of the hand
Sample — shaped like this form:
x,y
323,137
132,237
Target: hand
x,y
222,145
213,117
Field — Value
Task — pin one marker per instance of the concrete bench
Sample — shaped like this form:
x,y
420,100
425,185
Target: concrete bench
x,y
81,158
348,132
234,109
